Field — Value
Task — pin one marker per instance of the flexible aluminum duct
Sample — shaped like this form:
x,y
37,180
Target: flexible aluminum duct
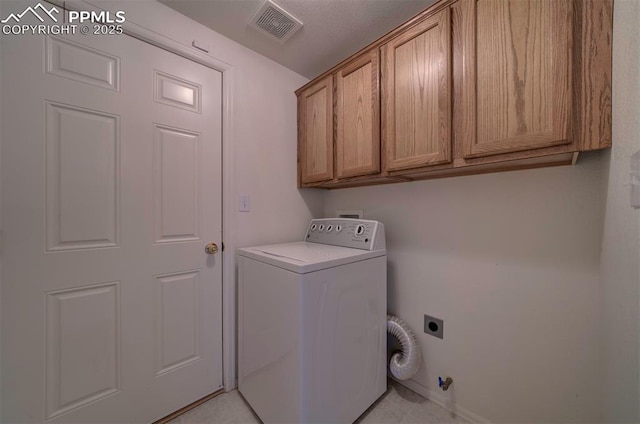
x,y
405,363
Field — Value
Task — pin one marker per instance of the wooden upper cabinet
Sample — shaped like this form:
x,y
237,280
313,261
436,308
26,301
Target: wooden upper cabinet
x,y
466,86
358,117
416,95
315,132
517,75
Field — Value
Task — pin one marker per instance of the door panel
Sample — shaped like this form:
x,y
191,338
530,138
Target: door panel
x,y
174,91
176,184
82,163
82,63
83,346
111,310
176,318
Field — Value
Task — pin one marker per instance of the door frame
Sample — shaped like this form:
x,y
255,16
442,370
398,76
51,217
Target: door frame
x,y
229,336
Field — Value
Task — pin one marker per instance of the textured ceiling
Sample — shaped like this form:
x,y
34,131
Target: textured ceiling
x,y
332,31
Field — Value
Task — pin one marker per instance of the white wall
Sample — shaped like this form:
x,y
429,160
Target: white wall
x,y
540,324
621,232
510,262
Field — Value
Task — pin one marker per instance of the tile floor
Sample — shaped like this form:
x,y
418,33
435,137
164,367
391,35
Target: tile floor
x,y
397,405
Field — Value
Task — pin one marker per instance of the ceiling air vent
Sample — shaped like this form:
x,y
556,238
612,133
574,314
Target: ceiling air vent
x,y
275,21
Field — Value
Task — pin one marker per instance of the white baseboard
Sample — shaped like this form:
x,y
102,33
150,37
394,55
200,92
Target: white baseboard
x,y
446,401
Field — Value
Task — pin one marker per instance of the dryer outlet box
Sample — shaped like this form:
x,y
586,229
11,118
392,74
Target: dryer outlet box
x,y
434,326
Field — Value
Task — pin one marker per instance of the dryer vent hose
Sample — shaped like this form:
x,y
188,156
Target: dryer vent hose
x,y
404,364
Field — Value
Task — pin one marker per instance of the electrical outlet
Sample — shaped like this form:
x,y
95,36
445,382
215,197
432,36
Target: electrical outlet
x,y
434,326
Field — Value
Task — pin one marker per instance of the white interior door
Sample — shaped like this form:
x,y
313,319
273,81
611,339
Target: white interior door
x,y
111,188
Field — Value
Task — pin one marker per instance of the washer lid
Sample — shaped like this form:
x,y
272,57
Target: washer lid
x,y
303,257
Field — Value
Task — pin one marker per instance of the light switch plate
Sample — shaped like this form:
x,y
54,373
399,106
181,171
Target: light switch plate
x,y
244,203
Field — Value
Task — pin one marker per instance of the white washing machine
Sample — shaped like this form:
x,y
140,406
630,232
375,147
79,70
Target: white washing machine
x,y
312,323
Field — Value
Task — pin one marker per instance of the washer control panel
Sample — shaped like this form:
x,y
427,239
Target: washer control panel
x,y
346,232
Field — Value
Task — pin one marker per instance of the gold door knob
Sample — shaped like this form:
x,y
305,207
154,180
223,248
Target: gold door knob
x,y
211,249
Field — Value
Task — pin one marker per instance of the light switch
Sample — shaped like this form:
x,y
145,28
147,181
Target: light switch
x,y
244,203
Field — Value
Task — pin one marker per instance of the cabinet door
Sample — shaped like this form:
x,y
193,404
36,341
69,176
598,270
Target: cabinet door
x,y
517,68
358,117
416,106
315,132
